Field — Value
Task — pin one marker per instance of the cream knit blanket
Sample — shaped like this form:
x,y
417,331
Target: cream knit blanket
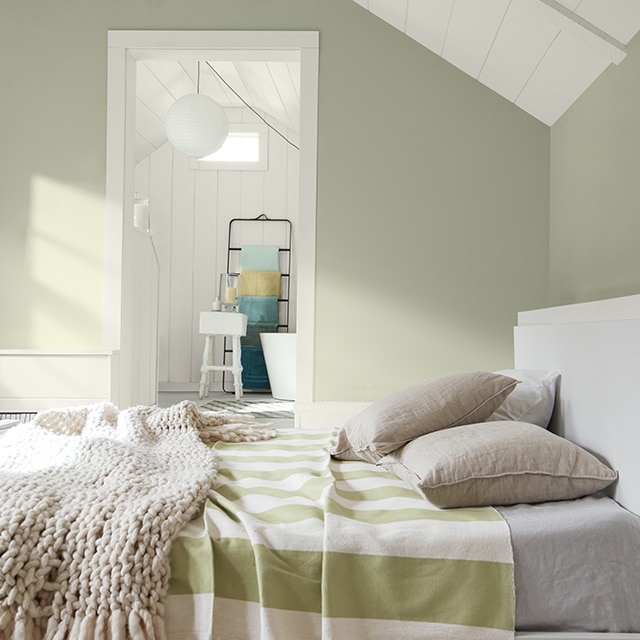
x,y
90,500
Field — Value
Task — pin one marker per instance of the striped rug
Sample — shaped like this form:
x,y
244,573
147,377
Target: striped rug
x,y
257,408
8,420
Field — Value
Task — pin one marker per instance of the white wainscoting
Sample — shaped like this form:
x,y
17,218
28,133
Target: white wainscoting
x,y
325,415
37,380
190,212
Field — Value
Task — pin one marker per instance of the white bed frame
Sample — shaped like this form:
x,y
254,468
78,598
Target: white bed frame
x,y
596,348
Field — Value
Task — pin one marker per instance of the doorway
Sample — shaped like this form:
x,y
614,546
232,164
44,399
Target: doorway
x,y
131,318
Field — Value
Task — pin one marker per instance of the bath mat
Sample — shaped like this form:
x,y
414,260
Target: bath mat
x,y
257,408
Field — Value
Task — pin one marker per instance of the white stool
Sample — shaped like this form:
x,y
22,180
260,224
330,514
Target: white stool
x,y
222,323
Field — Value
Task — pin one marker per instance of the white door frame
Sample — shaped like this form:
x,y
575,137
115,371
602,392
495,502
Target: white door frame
x,y
125,48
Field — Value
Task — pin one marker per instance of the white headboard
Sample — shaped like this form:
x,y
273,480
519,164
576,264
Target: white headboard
x,y
596,348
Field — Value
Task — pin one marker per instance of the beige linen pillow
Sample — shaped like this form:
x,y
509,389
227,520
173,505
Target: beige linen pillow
x,y
498,463
440,403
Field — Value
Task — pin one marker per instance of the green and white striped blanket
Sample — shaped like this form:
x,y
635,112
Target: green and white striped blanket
x,y
300,546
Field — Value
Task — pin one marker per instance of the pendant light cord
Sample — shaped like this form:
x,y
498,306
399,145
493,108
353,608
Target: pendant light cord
x,y
245,103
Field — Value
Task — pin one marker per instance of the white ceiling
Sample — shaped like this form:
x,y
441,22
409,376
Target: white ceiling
x,y
269,81
539,54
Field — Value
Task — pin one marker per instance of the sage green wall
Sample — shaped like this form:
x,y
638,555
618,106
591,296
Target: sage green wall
x,y
595,189
432,227
432,191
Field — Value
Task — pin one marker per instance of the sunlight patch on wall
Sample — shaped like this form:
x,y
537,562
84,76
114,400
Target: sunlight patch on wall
x,y
65,262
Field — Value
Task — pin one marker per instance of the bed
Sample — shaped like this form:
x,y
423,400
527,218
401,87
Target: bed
x,y
299,539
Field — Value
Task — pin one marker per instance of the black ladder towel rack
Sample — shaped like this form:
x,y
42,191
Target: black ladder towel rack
x,y
233,260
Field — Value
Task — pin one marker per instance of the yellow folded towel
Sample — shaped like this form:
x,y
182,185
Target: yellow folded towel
x,y
259,283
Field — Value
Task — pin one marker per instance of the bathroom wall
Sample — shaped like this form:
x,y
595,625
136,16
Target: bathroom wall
x,y
190,210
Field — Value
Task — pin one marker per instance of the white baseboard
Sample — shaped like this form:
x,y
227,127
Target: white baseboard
x,y
326,415
178,387
38,380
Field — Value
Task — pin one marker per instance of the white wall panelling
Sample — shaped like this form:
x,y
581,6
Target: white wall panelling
x,y
190,210
38,380
145,290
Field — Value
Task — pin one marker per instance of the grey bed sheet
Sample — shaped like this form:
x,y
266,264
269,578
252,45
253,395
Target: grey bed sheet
x,y
577,565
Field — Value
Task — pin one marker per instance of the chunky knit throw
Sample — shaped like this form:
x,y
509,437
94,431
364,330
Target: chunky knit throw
x,y
90,500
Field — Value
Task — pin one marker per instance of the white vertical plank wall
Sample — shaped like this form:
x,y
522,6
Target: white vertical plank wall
x,y
181,275
190,212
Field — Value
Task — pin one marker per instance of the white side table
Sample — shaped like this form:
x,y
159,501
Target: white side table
x,y
222,323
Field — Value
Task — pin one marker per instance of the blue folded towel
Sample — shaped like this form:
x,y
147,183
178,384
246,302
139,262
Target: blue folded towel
x,y
254,369
259,308
254,329
260,258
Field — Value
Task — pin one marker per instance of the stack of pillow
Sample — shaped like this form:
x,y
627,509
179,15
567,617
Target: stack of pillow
x,y
475,439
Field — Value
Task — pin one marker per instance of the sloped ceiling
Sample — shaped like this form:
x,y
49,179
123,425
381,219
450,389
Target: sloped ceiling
x,y
539,54
268,81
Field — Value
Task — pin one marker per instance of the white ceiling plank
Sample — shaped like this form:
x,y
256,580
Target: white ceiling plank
x,y
568,69
520,45
570,4
233,73
212,86
580,29
148,125
263,97
427,22
143,148
472,30
295,73
284,84
618,18
172,75
393,12
152,92
226,95
363,3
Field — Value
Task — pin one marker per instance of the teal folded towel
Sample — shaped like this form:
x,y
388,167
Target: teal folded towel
x,y
254,369
259,308
260,258
254,329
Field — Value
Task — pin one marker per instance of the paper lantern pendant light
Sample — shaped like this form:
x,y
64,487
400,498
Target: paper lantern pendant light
x,y
196,125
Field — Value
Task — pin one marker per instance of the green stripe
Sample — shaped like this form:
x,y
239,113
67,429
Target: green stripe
x,y
285,514
439,591
234,569
311,489
270,445
277,579
358,474
276,475
290,513
377,493
385,516
191,566
274,459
